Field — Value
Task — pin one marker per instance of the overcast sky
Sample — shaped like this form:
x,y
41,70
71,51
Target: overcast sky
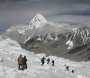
x,y
22,11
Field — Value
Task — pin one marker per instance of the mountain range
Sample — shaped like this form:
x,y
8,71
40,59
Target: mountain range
x,y
42,36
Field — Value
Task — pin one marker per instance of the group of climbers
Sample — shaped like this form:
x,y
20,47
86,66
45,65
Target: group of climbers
x,y
22,62
48,61
67,68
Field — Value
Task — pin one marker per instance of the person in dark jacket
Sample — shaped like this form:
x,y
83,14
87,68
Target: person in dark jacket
x,y
43,61
72,71
67,68
25,62
48,60
52,62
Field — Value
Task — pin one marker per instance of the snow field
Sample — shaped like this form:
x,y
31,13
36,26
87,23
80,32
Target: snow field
x,y
10,51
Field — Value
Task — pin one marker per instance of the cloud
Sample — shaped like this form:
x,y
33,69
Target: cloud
x,y
22,11
72,19
75,13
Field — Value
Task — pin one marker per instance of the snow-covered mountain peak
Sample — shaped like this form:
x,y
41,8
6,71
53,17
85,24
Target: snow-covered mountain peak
x,y
84,27
38,21
80,36
83,33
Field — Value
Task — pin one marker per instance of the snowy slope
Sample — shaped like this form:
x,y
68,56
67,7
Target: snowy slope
x,y
10,50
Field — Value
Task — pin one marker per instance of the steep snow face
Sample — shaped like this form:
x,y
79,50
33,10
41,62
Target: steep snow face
x,y
70,44
82,34
10,51
38,21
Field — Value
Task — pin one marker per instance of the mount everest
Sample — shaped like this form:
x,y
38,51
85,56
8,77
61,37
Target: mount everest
x,y
37,26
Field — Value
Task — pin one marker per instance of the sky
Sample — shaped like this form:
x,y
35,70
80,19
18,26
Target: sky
x,y
60,11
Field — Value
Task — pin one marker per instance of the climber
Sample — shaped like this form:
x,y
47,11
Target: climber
x,y
20,62
43,60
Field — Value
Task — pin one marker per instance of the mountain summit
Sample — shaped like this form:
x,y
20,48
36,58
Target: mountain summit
x,y
81,36
37,26
38,21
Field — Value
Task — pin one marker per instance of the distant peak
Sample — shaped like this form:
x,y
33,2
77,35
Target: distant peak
x,y
38,21
83,27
